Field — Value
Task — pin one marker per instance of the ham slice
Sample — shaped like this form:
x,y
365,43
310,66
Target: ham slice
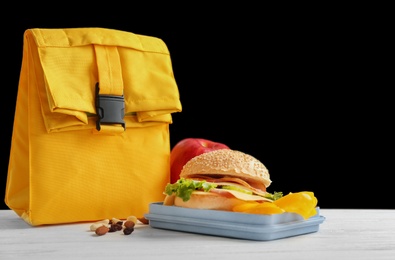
x,y
239,195
231,181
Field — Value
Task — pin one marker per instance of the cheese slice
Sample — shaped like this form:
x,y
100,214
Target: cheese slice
x,y
241,195
243,187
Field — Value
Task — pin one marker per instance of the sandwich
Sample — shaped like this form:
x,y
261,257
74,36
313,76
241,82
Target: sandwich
x,y
220,180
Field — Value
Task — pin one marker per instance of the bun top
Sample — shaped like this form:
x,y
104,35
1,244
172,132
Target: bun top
x,y
228,162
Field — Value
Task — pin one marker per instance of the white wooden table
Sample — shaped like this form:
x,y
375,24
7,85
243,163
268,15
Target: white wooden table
x,y
345,234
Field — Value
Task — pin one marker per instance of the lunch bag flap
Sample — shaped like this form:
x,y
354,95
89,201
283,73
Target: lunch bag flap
x,y
74,65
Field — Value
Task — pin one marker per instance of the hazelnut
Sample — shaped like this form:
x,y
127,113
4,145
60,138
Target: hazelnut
x,y
143,220
128,231
132,218
102,230
115,227
100,223
129,224
115,220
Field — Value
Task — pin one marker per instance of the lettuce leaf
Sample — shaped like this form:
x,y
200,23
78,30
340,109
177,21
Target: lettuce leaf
x,y
274,196
183,188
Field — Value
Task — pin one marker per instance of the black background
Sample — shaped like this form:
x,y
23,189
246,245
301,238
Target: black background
x,y
304,92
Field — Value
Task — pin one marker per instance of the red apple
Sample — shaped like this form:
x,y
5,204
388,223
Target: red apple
x,y
188,148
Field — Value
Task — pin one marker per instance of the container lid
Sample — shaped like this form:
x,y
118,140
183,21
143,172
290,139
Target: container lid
x,y
231,224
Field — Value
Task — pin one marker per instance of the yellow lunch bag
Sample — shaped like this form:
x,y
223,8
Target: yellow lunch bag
x,y
91,134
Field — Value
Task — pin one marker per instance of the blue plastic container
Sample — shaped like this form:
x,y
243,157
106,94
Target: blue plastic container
x,y
231,224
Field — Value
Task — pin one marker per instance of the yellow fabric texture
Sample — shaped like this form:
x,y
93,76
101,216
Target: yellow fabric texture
x,y
62,169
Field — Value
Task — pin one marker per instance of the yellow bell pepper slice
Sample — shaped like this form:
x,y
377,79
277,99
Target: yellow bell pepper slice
x,y
243,207
303,203
258,208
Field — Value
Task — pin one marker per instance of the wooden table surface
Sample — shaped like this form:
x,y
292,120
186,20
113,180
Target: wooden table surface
x,y
345,234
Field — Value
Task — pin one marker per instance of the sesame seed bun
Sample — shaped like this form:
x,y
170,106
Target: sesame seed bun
x,y
228,162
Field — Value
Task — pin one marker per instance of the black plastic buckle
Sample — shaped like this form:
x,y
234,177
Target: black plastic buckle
x,y
109,109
